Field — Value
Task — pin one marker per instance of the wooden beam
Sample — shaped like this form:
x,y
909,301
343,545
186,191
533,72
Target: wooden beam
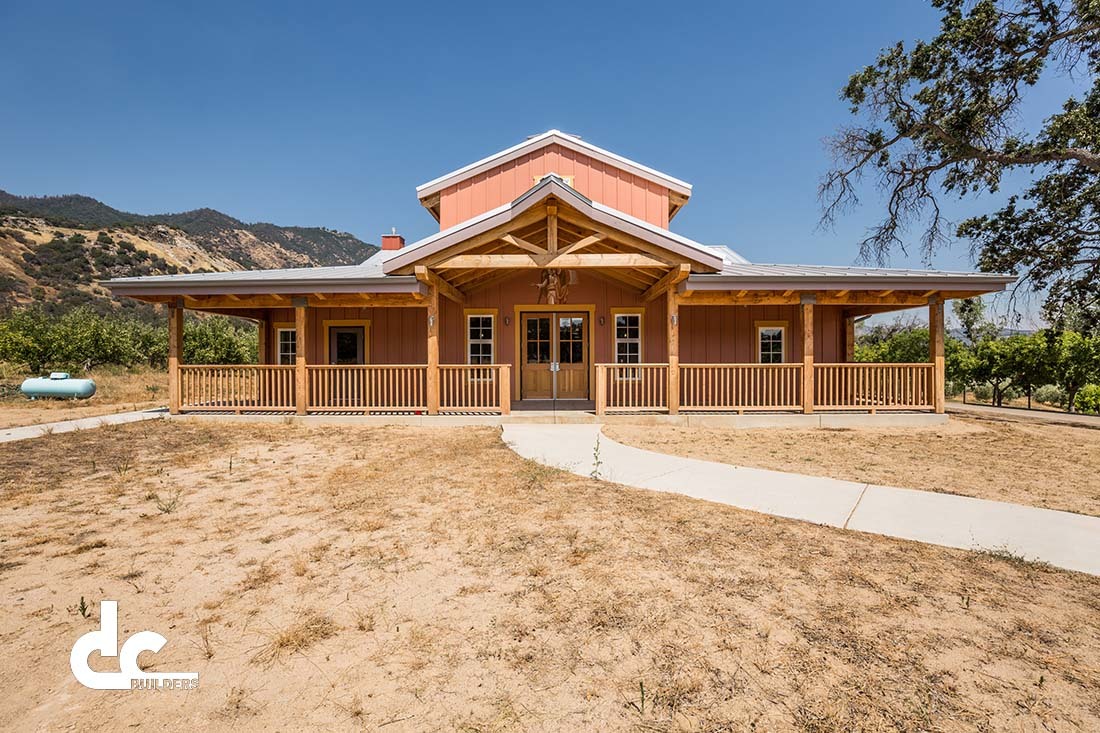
x,y
331,300
301,344
849,338
429,278
582,243
522,244
670,280
936,353
788,297
552,229
807,357
433,351
175,357
672,324
262,327
572,261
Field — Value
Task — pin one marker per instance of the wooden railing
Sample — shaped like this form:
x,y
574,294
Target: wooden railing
x,y
631,388
475,388
856,386
740,387
368,388
235,388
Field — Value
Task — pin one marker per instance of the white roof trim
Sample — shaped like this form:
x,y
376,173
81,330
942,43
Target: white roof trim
x,y
566,141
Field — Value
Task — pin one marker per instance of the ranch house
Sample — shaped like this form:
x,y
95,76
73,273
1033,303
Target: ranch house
x,y
555,281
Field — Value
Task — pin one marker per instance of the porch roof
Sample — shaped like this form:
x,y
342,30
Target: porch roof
x,y
755,276
365,277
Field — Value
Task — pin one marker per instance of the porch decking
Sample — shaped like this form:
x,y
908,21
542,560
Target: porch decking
x,y
635,388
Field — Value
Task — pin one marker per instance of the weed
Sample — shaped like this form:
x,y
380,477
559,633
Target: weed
x,y
206,644
296,638
82,608
168,504
596,462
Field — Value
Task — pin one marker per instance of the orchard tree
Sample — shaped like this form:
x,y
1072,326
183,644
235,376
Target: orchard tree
x,y
1075,361
1027,362
942,118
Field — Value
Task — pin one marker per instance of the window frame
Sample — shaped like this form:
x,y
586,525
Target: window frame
x,y
281,328
328,324
625,374
784,343
491,314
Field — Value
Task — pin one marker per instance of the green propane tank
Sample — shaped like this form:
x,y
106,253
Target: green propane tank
x,y
59,385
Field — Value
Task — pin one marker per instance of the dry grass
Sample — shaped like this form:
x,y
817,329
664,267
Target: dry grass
x,y
116,391
1025,462
447,584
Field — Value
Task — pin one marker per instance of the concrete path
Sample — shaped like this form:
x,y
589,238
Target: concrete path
x,y
1064,539
8,435
1020,413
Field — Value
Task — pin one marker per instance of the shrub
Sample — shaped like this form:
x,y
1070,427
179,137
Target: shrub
x,y
104,238
1051,394
77,239
1088,398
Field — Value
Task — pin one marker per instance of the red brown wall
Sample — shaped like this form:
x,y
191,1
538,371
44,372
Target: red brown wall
x,y
708,334
397,335
598,181
727,333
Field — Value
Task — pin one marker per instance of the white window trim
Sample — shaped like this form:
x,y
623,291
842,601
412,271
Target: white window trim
x,y
782,327
478,376
627,374
279,345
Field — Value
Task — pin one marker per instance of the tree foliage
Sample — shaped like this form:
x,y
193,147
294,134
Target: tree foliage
x,y
943,117
83,338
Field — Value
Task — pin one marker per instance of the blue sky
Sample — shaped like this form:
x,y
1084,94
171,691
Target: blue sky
x,y
330,114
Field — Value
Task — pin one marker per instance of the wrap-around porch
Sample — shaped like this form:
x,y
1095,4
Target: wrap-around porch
x,y
417,360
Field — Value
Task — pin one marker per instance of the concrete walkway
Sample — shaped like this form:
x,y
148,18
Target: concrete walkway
x,y
1063,539
8,435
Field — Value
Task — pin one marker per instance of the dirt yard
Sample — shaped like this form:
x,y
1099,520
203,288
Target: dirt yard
x,y
116,391
409,579
1026,462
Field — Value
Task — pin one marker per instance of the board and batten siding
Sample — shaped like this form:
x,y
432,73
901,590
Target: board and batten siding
x,y
598,181
725,334
397,335
708,334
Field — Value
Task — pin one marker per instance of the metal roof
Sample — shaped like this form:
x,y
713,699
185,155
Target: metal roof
x,y
551,137
759,276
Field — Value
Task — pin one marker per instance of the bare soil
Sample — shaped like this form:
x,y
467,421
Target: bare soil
x,y
1024,462
409,579
116,391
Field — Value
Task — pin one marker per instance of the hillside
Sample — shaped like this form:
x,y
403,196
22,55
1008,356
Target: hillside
x,y
54,248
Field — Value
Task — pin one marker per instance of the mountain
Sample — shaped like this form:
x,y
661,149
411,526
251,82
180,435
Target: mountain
x,y
54,248
317,245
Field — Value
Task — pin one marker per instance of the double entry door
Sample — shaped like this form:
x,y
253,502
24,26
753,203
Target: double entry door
x,y
554,356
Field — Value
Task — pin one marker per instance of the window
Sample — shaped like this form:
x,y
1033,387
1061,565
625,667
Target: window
x,y
479,338
628,338
771,346
287,344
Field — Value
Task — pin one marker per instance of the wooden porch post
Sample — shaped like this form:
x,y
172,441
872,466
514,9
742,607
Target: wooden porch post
x,y
808,354
601,389
935,352
433,351
301,377
849,338
175,355
673,323
261,341
505,389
